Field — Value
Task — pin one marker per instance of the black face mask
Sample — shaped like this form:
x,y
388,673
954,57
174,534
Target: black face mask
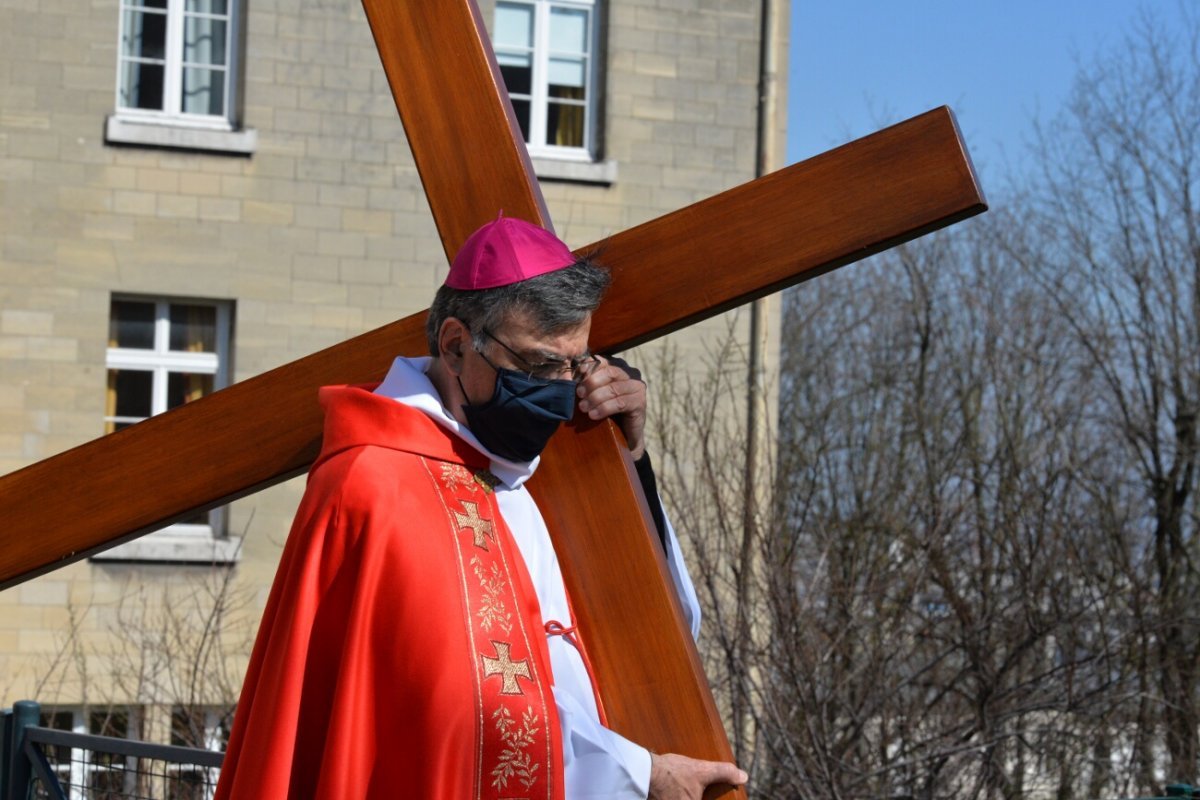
x,y
522,415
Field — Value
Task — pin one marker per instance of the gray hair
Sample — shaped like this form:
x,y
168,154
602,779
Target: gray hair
x,y
556,301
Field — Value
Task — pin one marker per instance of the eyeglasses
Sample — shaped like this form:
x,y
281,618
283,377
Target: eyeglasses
x,y
549,369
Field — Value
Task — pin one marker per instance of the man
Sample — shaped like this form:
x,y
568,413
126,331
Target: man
x,y
419,640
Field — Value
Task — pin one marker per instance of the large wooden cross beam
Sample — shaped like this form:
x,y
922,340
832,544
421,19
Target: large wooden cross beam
x,y
668,273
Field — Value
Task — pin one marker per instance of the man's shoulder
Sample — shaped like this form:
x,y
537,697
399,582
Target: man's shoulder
x,y
379,430
372,491
367,470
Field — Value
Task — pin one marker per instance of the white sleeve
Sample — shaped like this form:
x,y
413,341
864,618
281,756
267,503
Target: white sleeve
x,y
598,762
681,579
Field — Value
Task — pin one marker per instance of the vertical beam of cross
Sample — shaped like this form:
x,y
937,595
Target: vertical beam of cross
x,y
473,163
460,125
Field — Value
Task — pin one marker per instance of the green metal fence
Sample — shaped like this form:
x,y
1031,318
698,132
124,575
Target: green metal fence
x,y
39,762
1176,791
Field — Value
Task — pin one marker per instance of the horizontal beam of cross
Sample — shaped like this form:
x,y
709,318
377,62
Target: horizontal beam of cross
x,y
781,229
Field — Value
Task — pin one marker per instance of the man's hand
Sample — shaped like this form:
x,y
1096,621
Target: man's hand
x,y
615,389
675,777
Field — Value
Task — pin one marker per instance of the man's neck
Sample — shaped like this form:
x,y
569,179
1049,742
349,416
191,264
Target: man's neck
x,y
447,387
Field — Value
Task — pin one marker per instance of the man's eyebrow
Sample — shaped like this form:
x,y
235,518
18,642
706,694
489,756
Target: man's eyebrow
x,y
549,355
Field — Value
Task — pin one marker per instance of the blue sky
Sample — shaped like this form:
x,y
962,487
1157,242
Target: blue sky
x,y
859,64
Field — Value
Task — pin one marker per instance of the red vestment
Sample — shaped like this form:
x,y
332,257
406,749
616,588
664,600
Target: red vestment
x,y
401,652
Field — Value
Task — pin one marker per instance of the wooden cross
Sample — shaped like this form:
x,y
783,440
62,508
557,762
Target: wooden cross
x,y
742,244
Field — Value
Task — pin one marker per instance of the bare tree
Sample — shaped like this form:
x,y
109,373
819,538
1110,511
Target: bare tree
x,y
1117,245
179,646
939,570
975,572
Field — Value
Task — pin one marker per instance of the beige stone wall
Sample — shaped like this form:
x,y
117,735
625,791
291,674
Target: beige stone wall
x,y
321,234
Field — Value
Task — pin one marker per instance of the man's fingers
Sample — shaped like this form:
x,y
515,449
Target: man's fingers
x,y
676,777
611,397
632,372
609,371
610,390
600,376
722,772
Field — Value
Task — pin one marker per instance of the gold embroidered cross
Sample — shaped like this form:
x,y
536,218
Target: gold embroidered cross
x,y
504,665
482,528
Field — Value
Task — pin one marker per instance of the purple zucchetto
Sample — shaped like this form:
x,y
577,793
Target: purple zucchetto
x,y
506,251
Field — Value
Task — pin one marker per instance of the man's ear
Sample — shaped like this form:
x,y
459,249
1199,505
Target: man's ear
x,y
454,338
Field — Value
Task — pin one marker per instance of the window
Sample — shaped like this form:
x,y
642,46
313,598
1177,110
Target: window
x,y
205,727
109,777
163,353
174,59
546,50
177,70
62,759
95,775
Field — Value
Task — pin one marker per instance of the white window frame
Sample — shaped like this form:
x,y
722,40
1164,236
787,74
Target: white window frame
x,y
78,773
172,112
213,740
181,542
539,99
171,126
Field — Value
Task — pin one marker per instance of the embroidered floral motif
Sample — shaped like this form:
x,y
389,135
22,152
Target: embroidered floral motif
x,y
515,761
514,748
456,475
491,605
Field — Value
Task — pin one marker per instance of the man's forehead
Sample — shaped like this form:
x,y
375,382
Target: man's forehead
x,y
522,333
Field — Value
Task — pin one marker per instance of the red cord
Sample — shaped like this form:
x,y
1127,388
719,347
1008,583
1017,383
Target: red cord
x,y
556,628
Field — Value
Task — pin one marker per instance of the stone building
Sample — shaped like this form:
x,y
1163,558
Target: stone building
x,y
196,191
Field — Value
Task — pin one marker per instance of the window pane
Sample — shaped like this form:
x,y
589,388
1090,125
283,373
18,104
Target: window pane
x,y
187,726
193,328
208,6
521,107
108,785
518,73
145,35
131,324
204,41
187,784
514,25
147,3
184,387
566,73
130,393
142,85
568,30
204,91
564,125
115,724
60,721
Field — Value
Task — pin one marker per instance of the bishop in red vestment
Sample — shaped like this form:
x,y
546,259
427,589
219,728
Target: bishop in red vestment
x,y
405,649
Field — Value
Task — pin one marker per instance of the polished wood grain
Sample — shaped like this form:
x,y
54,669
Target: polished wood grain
x,y
650,676
460,125
786,227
